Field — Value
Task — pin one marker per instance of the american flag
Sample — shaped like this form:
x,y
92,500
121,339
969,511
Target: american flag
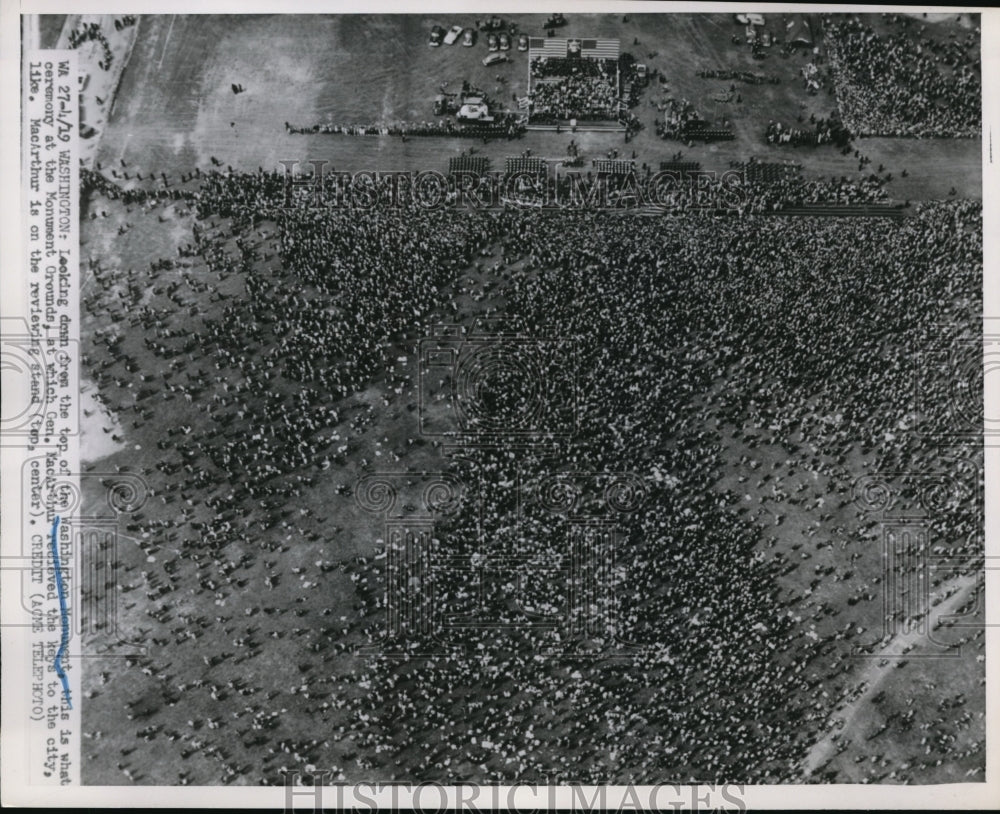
x,y
557,48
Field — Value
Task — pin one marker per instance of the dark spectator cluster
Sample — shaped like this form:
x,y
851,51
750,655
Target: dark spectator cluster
x,y
92,33
692,334
905,83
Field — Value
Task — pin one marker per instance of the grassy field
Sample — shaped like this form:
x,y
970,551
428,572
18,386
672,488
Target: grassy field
x,y
175,107
174,111
50,27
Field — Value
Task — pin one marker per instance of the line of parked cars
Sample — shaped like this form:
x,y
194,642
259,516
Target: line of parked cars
x,y
450,37
498,36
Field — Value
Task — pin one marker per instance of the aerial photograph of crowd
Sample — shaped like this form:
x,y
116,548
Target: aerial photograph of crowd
x,y
535,398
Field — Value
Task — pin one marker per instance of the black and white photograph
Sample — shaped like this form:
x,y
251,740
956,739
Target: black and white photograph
x,y
400,400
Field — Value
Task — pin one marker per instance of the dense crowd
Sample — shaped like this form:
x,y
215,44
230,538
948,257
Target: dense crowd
x,y
542,67
564,89
92,33
715,698
505,125
673,193
584,98
693,337
905,83
733,193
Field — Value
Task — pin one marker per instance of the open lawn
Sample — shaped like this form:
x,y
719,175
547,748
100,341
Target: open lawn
x,y
175,108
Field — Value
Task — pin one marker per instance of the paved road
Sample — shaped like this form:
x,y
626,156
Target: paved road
x,y
875,673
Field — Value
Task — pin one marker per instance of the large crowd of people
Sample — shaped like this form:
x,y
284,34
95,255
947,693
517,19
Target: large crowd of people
x,y
738,192
741,372
543,67
586,98
584,89
789,339
905,83
92,32
715,698
505,125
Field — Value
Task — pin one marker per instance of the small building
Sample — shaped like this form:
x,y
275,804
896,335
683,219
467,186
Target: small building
x,y
800,32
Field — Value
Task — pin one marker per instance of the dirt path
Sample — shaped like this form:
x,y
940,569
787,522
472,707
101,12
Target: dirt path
x,y
875,672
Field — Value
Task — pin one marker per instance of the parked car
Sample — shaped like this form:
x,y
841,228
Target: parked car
x,y
469,38
492,42
522,42
453,34
504,41
437,34
641,74
495,59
